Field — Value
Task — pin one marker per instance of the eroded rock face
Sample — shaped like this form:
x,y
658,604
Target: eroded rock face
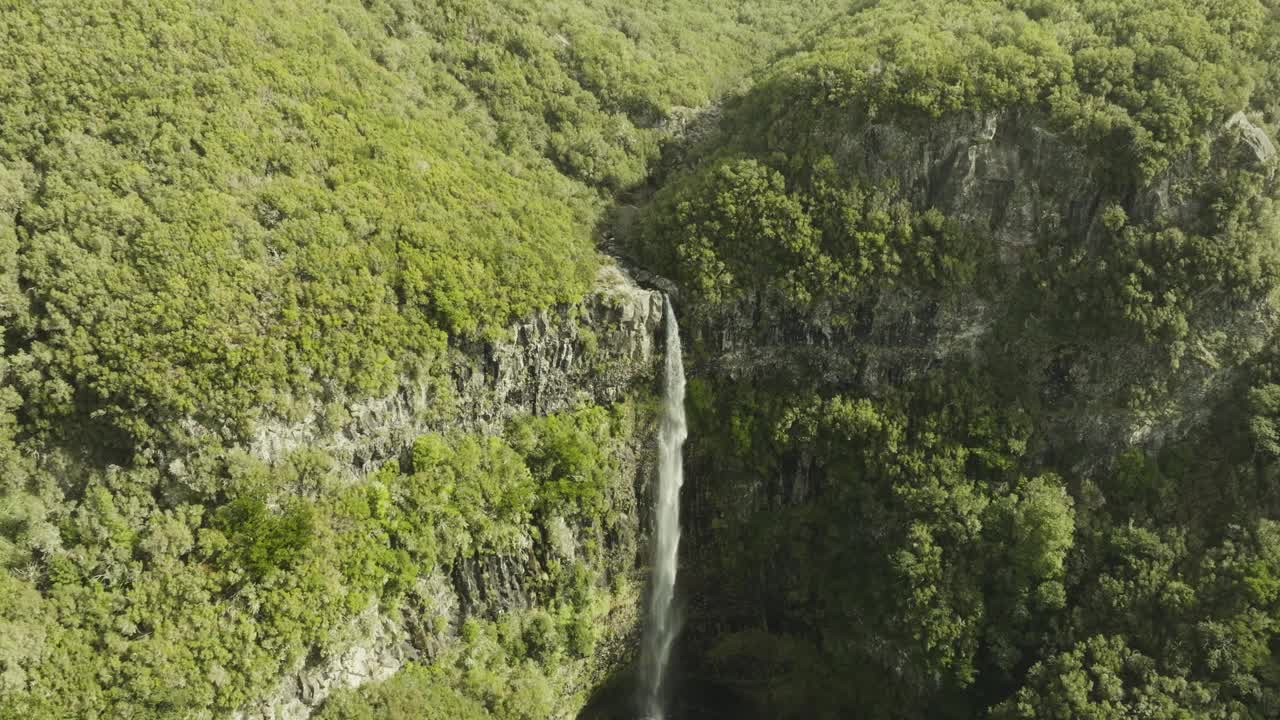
x,y
376,647
1033,200
593,353
553,361
1256,138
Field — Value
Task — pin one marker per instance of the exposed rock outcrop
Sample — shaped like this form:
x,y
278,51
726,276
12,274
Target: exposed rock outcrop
x,y
595,352
376,647
592,352
1033,200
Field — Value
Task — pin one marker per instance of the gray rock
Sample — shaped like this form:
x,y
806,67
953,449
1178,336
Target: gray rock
x,y
376,647
1255,137
1033,199
594,352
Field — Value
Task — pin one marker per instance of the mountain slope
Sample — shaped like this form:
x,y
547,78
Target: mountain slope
x,y
982,296
226,223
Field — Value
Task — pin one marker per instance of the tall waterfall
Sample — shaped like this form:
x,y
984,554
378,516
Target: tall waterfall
x,y
663,625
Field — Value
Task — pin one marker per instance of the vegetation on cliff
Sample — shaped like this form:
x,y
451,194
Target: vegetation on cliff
x,y
127,603
216,216
781,200
1071,516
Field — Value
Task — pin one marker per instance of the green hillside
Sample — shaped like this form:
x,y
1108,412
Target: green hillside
x,y
979,300
212,214
1016,459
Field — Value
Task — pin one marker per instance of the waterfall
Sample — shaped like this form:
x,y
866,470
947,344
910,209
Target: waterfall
x,y
663,625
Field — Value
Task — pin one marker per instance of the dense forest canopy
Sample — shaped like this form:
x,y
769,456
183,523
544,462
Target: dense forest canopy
x,y
985,404
1056,222
217,207
216,215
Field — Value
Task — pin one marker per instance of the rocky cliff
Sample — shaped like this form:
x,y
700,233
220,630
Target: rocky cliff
x,y
598,352
1034,206
853,438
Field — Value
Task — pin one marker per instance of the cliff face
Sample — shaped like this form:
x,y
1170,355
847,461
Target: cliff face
x,y
1034,201
1082,388
593,352
1034,204
599,352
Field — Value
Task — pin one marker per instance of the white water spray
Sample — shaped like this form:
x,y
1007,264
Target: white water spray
x,y
663,625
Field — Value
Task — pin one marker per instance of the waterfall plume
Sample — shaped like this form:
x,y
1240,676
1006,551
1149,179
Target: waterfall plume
x,y
663,624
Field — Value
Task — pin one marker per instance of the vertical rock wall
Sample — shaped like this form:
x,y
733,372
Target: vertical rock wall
x,y
597,352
